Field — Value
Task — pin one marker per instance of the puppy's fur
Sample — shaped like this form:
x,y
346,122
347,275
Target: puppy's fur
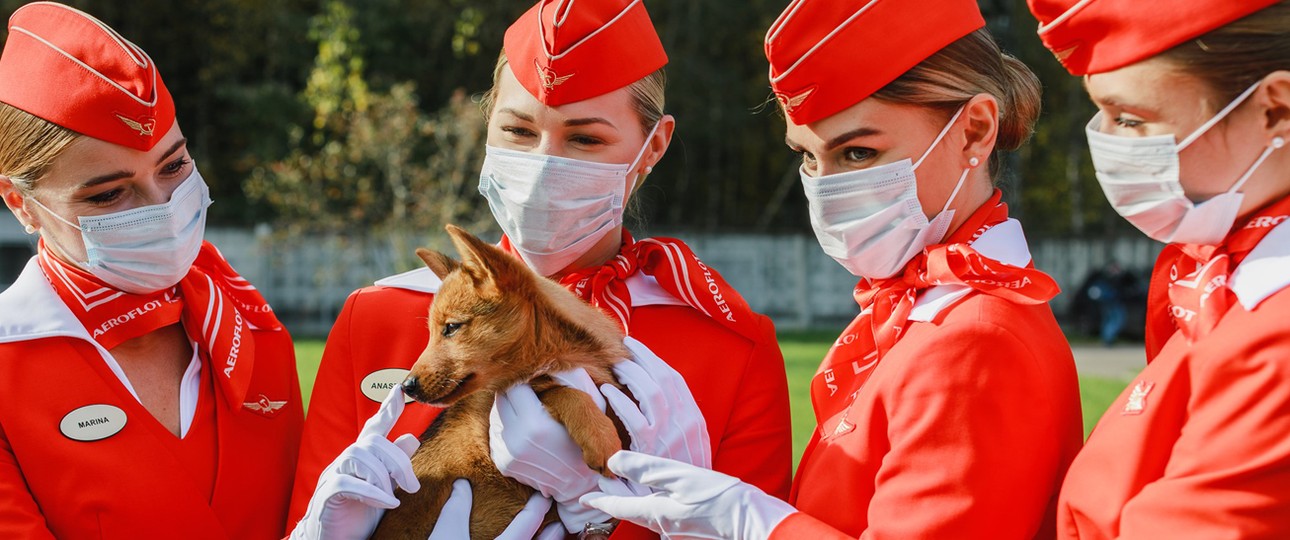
x,y
495,323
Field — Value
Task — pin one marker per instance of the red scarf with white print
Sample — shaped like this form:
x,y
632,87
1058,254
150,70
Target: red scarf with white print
x,y
886,304
678,271
1189,287
212,301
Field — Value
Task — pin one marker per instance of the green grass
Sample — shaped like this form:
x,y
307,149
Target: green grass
x,y
802,354
1096,394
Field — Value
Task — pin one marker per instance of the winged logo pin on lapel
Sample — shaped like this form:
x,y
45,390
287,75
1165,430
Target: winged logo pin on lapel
x,y
1137,399
265,406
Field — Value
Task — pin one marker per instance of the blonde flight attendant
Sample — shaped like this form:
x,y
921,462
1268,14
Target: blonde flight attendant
x,y
949,408
148,390
575,123
1189,146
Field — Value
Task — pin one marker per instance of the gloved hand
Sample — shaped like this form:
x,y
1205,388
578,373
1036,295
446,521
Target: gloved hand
x,y
454,518
668,422
690,502
356,489
530,446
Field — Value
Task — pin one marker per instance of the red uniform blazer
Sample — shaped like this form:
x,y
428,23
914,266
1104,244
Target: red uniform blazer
x,y
1198,445
964,430
139,482
739,384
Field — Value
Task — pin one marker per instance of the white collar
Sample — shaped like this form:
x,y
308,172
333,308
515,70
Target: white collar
x,y
644,289
1005,242
419,280
31,309
1266,270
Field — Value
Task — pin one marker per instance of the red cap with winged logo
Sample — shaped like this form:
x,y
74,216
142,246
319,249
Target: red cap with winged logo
x,y
1097,36
827,55
564,51
64,66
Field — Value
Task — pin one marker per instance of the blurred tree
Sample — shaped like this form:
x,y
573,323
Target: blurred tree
x,y
233,67
358,120
372,161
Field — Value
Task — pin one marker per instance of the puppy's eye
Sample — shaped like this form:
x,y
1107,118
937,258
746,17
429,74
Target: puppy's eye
x,y
449,329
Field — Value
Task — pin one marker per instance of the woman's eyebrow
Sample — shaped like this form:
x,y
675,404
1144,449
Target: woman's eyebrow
x,y
845,137
575,122
517,114
105,178
173,148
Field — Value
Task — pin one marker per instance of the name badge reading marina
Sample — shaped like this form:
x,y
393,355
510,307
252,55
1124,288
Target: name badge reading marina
x,y
92,422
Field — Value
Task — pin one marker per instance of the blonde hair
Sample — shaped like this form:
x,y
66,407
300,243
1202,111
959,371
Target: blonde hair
x,y
29,145
1233,57
647,95
974,65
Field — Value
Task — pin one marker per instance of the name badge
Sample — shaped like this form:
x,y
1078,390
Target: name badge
x,y
377,384
92,423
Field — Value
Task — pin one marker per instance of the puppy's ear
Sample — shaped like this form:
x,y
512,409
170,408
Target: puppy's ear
x,y
440,264
492,264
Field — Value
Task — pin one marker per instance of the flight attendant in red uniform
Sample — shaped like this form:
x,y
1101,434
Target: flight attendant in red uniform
x,y
949,408
148,390
575,124
1188,145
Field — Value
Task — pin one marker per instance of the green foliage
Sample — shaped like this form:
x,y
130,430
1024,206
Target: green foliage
x,y
273,97
372,161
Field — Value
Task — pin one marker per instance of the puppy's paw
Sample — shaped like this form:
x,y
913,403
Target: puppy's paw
x,y
597,451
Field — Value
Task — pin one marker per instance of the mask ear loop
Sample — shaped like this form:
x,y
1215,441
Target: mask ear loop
x,y
1276,144
1218,117
940,136
937,141
648,138
53,213
641,154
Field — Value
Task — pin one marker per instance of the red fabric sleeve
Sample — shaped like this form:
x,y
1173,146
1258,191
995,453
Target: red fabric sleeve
x,y
758,444
20,517
1228,474
799,525
954,469
332,422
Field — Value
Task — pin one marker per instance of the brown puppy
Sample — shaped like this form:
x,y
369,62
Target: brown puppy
x,y
494,323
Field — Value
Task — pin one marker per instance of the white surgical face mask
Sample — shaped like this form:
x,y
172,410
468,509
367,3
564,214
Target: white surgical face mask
x,y
554,209
150,248
1140,176
870,220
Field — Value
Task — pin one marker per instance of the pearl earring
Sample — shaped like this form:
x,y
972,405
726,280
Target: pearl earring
x,y
974,161
29,229
649,169
1278,142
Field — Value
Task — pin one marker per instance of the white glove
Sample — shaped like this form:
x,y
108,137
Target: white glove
x,y
668,422
690,502
356,489
533,448
454,518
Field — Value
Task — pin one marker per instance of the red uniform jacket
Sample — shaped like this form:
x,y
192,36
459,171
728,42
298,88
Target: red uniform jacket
x,y
963,430
739,384
1198,445
141,481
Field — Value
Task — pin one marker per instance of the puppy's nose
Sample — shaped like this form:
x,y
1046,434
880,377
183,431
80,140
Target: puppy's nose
x,y
411,387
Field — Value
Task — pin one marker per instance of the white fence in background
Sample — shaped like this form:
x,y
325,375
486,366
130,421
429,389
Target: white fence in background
x,y
786,277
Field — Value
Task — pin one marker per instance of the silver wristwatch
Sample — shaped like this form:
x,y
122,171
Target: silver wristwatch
x,y
597,531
